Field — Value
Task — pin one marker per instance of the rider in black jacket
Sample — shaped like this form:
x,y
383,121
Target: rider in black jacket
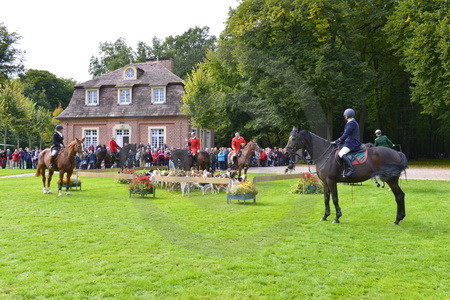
x,y
58,143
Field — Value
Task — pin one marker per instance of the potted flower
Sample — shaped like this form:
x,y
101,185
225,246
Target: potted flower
x,y
124,180
142,185
74,182
309,183
244,190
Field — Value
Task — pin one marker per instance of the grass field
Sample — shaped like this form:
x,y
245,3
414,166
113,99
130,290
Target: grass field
x,y
99,243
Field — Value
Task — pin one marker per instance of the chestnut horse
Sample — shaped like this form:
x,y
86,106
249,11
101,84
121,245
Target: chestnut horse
x,y
244,161
65,163
383,162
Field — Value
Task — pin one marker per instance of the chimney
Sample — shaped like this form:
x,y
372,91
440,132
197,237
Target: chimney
x,y
166,62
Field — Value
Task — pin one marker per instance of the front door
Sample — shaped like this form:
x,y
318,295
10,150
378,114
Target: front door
x,y
122,136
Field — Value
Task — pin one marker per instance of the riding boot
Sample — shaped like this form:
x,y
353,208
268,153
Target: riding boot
x,y
348,165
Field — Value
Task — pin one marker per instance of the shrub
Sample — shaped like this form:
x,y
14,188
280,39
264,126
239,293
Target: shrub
x,y
129,171
308,184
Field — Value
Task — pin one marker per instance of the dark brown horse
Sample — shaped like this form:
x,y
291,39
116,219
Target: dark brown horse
x,y
105,154
244,161
182,160
382,162
65,163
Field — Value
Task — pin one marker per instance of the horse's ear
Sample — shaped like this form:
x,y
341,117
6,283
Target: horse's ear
x,y
82,140
76,139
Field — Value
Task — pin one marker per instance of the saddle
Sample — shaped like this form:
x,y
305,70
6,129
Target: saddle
x,y
356,157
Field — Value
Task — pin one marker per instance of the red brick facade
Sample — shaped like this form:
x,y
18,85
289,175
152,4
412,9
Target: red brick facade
x,y
141,119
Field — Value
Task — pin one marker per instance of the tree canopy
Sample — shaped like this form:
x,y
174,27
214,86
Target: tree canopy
x,y
10,57
187,50
280,63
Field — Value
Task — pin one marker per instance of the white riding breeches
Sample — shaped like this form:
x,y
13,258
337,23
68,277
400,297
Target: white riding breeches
x,y
54,152
344,151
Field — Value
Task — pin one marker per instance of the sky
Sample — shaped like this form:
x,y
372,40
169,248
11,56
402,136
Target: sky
x,y
60,36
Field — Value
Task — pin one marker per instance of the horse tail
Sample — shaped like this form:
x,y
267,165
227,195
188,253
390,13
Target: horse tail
x,y
38,172
392,170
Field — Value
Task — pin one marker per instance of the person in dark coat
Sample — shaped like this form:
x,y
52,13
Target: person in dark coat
x,y
58,143
351,140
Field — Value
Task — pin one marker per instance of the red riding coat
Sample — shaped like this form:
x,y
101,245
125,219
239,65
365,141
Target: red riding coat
x,y
195,145
236,143
113,146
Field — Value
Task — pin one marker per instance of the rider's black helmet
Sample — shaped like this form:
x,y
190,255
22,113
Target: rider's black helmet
x,y
349,113
58,127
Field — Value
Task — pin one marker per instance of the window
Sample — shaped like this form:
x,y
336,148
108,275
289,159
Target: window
x,y
124,96
158,95
157,137
91,137
91,97
122,136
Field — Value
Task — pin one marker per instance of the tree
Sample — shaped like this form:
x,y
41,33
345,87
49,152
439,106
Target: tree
x,y
288,61
10,57
112,56
47,90
420,32
187,50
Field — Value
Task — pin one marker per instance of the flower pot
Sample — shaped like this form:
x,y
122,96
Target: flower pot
x,y
143,193
240,197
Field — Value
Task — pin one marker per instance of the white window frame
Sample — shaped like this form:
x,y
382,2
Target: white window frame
x,y
150,135
84,129
154,88
119,93
88,91
135,73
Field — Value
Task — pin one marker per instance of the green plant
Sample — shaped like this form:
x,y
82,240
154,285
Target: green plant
x,y
243,188
141,184
309,183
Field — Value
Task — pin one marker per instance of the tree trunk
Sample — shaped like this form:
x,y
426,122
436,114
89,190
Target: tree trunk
x,y
4,138
329,123
362,121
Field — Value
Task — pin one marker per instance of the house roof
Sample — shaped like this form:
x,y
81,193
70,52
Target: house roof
x,y
153,74
149,74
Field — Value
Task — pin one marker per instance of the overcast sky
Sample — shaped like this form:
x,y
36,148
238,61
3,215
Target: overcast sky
x,y
60,36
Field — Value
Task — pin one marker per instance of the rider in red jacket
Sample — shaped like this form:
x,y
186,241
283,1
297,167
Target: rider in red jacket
x,y
114,147
194,143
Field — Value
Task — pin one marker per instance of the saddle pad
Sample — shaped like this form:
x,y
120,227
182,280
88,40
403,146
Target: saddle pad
x,y
357,158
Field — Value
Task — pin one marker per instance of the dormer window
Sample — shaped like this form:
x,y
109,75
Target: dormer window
x,y
124,96
91,97
159,94
130,73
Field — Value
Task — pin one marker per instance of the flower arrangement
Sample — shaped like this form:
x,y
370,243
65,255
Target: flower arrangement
x,y
243,188
307,184
141,184
126,171
73,181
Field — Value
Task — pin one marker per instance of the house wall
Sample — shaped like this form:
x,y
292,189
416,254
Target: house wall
x,y
176,129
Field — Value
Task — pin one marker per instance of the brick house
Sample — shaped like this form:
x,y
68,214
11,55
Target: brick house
x,y
139,103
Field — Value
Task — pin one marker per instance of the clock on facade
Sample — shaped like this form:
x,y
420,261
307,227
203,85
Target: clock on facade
x,y
129,73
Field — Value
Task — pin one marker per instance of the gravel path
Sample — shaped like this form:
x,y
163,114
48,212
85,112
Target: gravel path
x,y
411,173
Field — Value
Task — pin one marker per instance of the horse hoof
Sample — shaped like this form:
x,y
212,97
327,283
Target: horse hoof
x,y
395,223
323,219
49,192
67,193
59,195
336,221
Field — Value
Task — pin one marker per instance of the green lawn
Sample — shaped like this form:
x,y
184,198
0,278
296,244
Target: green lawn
x,y
99,243
7,172
430,163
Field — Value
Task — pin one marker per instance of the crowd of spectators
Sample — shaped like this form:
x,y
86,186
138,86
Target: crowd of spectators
x,y
145,156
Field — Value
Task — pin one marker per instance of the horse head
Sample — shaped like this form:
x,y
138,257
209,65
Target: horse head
x,y
253,145
298,139
76,147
